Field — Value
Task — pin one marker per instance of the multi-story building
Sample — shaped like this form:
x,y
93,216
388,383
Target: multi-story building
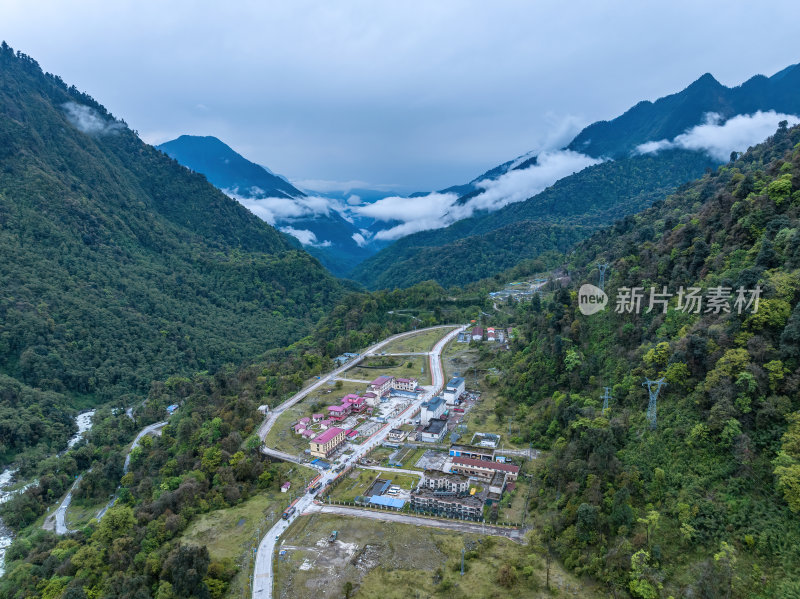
x,y
381,386
453,390
466,507
483,469
436,480
433,408
326,443
402,384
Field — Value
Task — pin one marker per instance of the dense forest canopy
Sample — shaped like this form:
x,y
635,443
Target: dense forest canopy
x,y
122,267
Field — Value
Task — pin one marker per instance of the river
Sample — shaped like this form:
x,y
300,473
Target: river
x,y
84,422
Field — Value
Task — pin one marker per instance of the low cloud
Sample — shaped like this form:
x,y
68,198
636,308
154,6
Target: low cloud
x,y
306,237
718,139
437,210
88,120
273,210
328,186
359,239
354,200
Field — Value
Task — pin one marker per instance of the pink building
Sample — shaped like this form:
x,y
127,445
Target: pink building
x,y
325,424
381,386
308,433
317,417
299,428
305,420
338,413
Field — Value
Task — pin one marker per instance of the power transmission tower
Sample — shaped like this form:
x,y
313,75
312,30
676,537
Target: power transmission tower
x,y
653,387
606,397
603,268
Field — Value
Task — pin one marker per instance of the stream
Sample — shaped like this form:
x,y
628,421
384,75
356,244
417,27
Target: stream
x,y
84,422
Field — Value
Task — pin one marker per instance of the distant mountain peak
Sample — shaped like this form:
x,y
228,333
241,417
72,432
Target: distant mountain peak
x,y
226,168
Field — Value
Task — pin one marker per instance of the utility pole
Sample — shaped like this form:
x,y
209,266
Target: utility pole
x,y
603,268
606,397
653,387
462,561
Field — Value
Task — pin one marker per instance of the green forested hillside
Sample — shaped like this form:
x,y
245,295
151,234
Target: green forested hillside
x,y
574,206
120,266
707,503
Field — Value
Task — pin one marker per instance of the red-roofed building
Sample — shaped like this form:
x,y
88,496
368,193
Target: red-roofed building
x,y
477,334
317,417
308,433
351,434
299,428
381,386
483,468
304,420
326,443
371,398
338,413
325,424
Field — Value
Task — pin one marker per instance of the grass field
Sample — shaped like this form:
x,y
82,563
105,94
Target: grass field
x,y
360,481
231,533
420,369
81,511
416,343
398,561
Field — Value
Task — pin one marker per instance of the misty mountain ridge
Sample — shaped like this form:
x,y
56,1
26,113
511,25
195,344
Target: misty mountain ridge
x,y
671,141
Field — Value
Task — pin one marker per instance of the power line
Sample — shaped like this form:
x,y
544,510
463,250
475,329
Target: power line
x,y
653,388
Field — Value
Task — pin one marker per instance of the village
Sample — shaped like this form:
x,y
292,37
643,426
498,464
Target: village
x,y
452,480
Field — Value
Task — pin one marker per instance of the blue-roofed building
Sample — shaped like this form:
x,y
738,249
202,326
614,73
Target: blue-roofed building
x,y
383,501
453,390
433,408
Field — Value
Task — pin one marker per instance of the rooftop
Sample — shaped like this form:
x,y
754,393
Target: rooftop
x,y
451,476
455,381
381,380
435,426
337,408
485,464
467,500
328,434
432,403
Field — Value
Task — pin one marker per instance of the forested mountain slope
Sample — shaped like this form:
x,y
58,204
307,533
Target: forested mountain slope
x,y
120,266
591,198
706,503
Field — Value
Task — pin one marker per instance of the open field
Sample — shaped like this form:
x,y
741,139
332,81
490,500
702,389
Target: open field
x,y
81,511
420,369
231,533
398,561
359,481
416,343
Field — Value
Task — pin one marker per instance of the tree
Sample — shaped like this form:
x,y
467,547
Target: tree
x,y
185,567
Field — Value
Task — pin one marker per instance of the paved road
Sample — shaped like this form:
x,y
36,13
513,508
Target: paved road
x,y
273,415
458,525
145,431
61,512
262,570
388,469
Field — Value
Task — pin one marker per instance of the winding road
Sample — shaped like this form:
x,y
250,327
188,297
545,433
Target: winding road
x,y
263,578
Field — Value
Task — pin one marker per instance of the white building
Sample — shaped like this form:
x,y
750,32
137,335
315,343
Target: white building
x,y
433,408
453,390
405,384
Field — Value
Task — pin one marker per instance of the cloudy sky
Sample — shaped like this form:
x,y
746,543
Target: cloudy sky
x,y
414,95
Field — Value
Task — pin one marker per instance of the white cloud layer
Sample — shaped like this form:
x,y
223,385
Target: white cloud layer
x,y
88,120
437,210
719,140
305,237
274,210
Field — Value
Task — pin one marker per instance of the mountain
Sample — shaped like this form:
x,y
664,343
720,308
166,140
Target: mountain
x,y
121,266
574,206
703,500
627,181
227,169
672,115
317,222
